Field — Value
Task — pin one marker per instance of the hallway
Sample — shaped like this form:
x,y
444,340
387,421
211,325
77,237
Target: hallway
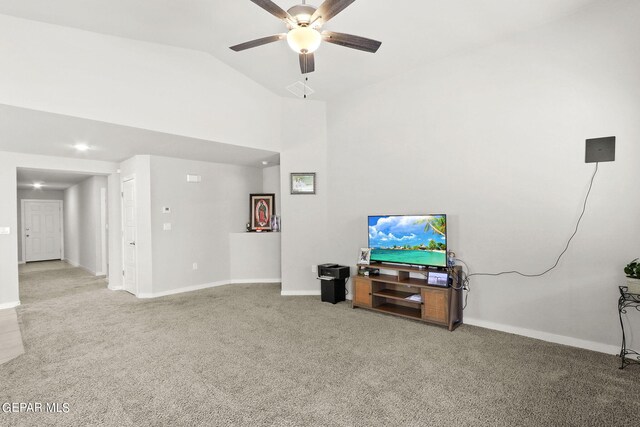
x,y
48,280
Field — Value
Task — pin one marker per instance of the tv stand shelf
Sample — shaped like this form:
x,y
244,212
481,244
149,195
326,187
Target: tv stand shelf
x,y
399,310
388,293
399,295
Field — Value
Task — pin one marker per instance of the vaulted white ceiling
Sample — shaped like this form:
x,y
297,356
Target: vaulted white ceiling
x,y
413,32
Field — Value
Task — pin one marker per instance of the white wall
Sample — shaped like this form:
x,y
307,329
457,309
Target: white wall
x,y
271,184
82,228
495,139
304,217
150,86
9,162
33,194
202,217
8,242
254,257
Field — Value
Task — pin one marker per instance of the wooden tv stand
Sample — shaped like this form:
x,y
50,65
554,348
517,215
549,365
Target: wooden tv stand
x,y
387,293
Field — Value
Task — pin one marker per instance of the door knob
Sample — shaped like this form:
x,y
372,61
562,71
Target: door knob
x,y
132,243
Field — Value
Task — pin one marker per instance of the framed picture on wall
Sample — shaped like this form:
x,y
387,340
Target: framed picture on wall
x,y
262,208
303,183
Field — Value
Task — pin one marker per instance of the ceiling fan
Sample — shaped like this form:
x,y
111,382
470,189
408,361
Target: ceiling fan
x,y
304,23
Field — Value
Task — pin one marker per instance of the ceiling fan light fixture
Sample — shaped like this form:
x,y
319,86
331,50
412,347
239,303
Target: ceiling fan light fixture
x,y
304,39
303,23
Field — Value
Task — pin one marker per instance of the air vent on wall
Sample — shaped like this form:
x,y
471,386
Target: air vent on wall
x,y
300,89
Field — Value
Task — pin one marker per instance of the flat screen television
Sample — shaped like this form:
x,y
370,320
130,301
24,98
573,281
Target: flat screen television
x,y
409,239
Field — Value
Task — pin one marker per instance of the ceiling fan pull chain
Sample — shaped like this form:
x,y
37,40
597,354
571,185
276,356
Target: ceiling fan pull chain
x,y
306,80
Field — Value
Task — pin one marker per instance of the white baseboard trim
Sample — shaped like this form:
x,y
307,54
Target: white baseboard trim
x,y
7,305
182,290
253,281
75,264
115,288
299,293
205,286
21,262
545,336
71,263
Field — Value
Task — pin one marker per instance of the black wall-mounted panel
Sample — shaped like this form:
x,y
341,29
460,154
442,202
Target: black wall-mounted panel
x,y
601,150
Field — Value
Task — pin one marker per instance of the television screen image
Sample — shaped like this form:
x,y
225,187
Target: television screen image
x,y
409,239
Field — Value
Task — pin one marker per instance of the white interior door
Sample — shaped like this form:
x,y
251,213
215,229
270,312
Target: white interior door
x,y
42,230
130,262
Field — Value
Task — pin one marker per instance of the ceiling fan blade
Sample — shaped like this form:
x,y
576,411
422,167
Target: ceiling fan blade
x,y
258,42
274,9
307,63
353,42
330,8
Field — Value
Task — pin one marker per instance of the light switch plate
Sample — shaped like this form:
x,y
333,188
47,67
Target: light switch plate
x,y
166,209
5,230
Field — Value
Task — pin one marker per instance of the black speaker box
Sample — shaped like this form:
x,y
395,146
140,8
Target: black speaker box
x,y
332,291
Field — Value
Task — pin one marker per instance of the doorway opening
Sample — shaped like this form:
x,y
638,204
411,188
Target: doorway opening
x,y
63,216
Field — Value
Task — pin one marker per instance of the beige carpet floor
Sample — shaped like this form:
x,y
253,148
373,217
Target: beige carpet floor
x,y
10,336
244,355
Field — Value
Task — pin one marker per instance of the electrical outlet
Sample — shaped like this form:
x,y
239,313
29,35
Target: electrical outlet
x,y
314,268
195,265
166,226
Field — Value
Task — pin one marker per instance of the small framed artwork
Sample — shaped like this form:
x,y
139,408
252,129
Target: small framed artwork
x,y
262,209
364,256
303,183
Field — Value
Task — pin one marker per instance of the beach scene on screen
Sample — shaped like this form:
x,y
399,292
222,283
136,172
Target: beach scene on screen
x,y
419,240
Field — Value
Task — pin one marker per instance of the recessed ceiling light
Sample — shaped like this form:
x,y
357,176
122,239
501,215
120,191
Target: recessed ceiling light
x,y
81,147
264,162
37,185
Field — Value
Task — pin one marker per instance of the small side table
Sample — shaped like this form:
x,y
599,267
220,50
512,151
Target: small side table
x,y
631,301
